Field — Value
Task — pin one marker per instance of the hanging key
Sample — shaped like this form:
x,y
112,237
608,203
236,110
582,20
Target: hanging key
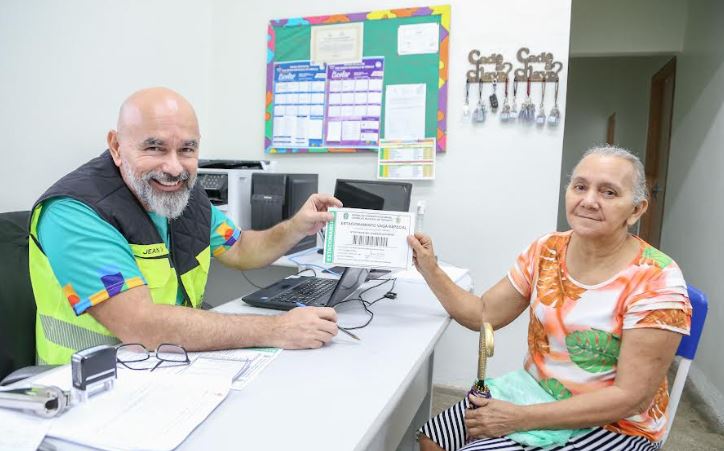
x,y
494,96
466,105
540,118
514,107
505,111
554,118
480,111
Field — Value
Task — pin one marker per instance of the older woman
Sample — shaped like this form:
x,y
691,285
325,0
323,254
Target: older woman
x,y
607,312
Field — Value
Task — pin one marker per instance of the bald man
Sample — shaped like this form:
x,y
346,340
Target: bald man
x,y
120,245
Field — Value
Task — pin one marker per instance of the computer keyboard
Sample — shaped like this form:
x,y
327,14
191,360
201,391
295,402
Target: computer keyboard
x,y
308,291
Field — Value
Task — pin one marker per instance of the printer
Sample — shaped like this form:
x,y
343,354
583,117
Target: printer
x,y
228,185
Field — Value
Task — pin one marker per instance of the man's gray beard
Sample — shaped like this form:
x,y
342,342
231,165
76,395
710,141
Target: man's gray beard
x,y
167,204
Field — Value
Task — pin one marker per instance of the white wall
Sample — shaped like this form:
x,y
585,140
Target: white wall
x,y
497,187
627,27
694,213
598,87
67,67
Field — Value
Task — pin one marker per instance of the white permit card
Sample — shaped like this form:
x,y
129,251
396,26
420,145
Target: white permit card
x,y
368,238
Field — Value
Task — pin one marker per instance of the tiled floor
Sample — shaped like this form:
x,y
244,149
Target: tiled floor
x,y
691,432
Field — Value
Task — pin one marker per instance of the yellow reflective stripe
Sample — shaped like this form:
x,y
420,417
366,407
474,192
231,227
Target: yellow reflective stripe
x,y
71,336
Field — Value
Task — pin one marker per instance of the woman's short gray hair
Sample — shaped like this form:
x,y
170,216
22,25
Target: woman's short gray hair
x,y
640,192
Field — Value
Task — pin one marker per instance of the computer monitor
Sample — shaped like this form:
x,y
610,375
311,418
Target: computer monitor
x,y
374,194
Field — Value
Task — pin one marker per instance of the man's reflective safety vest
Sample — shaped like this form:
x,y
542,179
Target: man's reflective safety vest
x,y
98,184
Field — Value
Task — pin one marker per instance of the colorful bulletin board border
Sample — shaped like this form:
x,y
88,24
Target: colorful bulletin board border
x,y
303,24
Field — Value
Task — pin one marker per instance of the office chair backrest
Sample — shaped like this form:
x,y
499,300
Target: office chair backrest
x,y
17,303
687,351
700,307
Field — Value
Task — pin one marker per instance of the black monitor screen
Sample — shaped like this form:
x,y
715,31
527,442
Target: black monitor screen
x,y
374,194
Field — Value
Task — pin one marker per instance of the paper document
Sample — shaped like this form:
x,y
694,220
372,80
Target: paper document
x,y
405,111
368,238
336,43
20,431
251,362
298,104
144,410
355,103
240,366
406,159
204,366
406,171
418,38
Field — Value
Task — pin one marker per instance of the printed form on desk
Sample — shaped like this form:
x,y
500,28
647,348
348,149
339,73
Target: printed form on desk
x,y
119,419
243,365
174,399
20,431
240,366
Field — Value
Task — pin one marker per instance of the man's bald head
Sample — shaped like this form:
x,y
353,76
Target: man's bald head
x,y
156,148
154,104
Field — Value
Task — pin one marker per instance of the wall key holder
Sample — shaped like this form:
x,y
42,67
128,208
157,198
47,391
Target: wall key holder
x,y
549,69
499,73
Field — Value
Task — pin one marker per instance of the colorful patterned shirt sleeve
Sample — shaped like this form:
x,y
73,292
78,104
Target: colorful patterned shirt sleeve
x,y
223,232
661,301
522,273
90,258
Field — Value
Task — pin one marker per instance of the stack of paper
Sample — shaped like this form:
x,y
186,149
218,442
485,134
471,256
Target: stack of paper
x,y
144,411
241,365
21,431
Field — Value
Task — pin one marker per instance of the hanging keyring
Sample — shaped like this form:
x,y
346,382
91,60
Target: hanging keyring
x,y
505,111
514,107
540,118
466,106
554,118
494,95
480,112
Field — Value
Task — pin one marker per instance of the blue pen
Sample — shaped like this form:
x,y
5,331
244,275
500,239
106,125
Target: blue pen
x,y
299,304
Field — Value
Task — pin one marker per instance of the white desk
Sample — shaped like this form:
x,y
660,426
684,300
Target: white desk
x,y
348,395
300,259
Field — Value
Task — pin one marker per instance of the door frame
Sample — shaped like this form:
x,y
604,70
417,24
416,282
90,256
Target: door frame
x,y
650,227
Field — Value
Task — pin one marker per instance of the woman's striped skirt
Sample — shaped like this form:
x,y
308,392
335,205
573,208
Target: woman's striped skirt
x,y
448,430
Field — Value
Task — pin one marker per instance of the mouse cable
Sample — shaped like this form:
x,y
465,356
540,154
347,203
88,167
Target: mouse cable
x,y
366,304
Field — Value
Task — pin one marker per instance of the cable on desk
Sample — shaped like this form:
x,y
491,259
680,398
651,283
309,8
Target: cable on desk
x,y
310,265
367,304
314,273
249,280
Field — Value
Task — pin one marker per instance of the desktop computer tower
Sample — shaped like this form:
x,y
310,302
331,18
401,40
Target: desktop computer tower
x,y
277,197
